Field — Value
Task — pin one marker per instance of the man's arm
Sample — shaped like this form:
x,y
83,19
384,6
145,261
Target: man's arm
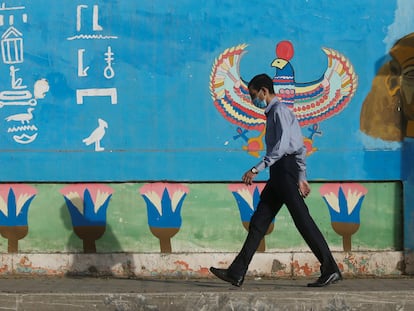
x,y
301,161
249,176
304,187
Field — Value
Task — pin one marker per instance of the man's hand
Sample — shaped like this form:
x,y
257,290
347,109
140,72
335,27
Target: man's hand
x,y
248,177
304,188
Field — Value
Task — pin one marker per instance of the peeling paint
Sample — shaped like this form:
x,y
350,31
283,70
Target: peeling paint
x,y
297,268
25,266
277,266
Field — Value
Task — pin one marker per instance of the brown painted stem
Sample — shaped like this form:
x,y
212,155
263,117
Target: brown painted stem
x,y
89,246
346,230
89,235
164,235
347,243
262,246
13,235
12,245
165,245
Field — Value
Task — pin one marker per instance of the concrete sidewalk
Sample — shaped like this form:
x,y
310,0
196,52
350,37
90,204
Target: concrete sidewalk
x,y
85,293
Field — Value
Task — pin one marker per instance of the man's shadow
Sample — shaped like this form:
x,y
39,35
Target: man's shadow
x,y
112,262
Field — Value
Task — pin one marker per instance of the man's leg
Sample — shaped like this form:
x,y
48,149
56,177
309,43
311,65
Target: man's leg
x,y
259,224
308,228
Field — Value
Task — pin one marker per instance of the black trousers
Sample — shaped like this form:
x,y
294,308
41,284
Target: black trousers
x,y
282,188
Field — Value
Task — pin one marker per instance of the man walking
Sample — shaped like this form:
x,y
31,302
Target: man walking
x,y
285,157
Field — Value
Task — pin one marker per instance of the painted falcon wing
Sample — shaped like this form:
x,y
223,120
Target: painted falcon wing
x,y
230,93
329,95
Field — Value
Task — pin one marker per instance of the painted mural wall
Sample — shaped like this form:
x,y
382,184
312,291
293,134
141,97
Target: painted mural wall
x,y
126,125
121,90
197,218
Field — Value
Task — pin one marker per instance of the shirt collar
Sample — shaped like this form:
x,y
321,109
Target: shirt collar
x,y
273,102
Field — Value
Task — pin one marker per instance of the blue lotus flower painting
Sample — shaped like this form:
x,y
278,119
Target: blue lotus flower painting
x,y
164,202
344,202
87,205
15,200
247,199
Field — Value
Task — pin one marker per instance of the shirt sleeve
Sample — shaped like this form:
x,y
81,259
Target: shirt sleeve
x,y
301,161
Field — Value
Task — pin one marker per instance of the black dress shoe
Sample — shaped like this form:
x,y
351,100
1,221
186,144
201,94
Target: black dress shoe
x,y
325,280
224,275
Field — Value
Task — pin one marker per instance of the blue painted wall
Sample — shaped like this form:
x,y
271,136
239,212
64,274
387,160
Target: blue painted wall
x,y
156,58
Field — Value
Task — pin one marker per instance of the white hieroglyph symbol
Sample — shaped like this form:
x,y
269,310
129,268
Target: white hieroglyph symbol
x,y
95,25
24,138
22,117
12,46
16,83
8,13
82,72
24,97
19,97
41,87
111,92
16,98
109,72
97,135
11,40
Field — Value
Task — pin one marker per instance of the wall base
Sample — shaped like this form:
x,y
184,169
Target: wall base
x,y
196,265
409,262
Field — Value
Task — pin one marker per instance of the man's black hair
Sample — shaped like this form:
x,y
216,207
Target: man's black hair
x,y
261,80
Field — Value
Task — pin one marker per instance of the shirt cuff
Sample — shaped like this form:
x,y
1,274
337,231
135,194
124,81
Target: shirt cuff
x,y
302,176
260,166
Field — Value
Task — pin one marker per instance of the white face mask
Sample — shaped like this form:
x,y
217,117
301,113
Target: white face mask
x,y
259,103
